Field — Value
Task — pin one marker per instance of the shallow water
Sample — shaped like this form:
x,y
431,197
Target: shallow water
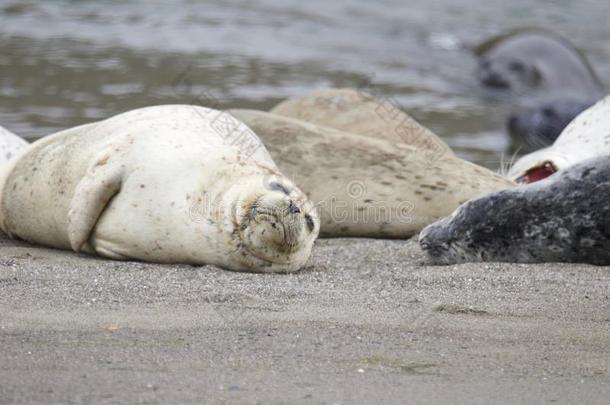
x,y
64,63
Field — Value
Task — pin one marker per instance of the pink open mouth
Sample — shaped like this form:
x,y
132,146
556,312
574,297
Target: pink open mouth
x,y
537,173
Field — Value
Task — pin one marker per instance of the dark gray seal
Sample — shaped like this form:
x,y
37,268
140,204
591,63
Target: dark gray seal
x,y
535,128
564,218
538,62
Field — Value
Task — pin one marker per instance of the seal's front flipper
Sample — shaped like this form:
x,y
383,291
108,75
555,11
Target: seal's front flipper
x,y
92,195
104,248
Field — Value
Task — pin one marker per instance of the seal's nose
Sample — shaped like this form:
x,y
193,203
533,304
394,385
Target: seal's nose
x,y
424,244
292,208
493,79
434,249
433,239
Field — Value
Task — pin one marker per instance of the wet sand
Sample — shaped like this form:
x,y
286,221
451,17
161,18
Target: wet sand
x,y
366,322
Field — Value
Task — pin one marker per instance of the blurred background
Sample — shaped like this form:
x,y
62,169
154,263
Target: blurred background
x,y
64,63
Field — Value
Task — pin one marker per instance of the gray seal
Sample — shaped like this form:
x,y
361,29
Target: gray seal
x,y
535,59
538,62
564,218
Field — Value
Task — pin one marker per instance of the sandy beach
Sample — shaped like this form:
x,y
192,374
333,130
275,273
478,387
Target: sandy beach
x,y
366,322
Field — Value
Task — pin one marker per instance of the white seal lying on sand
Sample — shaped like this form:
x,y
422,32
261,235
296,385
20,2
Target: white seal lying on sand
x,y
564,218
368,187
169,184
10,144
586,137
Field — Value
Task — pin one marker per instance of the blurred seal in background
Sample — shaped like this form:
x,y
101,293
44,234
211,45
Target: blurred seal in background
x,y
535,62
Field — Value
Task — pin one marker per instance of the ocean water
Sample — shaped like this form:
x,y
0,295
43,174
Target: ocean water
x,y
64,63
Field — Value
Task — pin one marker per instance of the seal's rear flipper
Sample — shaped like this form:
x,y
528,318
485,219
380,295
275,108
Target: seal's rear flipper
x,y
93,193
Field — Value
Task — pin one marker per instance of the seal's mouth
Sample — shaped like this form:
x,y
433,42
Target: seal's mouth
x,y
286,224
537,173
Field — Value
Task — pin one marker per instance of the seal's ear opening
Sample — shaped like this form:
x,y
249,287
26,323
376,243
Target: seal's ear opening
x,y
537,173
309,222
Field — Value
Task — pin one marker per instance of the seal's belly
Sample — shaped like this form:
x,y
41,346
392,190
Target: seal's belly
x,y
154,217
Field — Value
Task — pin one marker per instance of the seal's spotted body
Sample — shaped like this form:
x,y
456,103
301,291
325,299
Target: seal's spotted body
x,y
356,111
564,218
169,184
369,187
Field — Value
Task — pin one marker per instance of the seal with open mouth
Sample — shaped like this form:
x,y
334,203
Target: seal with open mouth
x,y
586,137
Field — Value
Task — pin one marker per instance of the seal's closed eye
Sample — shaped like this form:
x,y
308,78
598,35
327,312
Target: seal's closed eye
x,y
516,66
225,215
275,186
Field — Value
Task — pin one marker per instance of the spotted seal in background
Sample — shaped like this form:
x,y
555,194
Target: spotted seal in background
x,y
564,218
167,184
358,112
586,137
10,145
364,186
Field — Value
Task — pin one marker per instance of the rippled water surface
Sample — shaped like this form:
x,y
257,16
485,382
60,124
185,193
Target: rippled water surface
x,y
64,63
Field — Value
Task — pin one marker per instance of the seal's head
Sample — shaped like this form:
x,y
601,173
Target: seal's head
x,y
563,218
529,59
532,129
489,228
275,225
449,240
502,70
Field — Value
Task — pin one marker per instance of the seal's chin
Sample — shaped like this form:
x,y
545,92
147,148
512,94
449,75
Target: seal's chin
x,y
272,228
537,173
443,245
